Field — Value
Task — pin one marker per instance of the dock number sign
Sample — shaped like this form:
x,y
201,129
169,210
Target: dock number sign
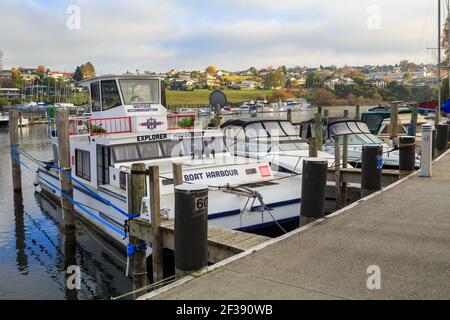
x,y
201,203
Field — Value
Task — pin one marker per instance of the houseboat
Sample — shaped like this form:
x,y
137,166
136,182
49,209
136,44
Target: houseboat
x,y
130,125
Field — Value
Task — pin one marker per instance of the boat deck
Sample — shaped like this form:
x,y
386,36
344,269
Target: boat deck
x,y
222,243
404,230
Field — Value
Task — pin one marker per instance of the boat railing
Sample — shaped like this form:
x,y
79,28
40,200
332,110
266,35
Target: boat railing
x,y
181,121
98,126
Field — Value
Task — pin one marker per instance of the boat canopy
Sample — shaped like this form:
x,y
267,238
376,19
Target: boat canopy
x,y
257,129
347,127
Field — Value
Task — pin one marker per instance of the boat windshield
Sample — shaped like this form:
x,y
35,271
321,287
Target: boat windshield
x,y
270,129
267,146
168,149
140,90
361,139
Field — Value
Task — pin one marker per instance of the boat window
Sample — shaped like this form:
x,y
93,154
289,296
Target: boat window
x,y
172,149
150,150
288,128
274,129
83,164
140,91
254,130
95,97
213,145
110,95
359,139
293,146
127,152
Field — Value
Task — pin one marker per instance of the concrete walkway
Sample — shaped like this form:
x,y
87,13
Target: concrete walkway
x,y
405,231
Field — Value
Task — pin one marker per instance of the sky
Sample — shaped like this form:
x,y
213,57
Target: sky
x,y
159,35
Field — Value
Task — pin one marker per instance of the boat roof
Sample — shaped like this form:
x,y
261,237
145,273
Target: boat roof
x,y
119,77
343,126
244,123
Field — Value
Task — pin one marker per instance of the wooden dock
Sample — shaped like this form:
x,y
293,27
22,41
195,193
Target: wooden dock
x,y
400,236
222,243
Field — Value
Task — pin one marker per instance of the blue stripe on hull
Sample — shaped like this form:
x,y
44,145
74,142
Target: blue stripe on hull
x,y
219,214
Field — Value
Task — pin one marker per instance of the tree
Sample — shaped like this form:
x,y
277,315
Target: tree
x,y
78,75
15,73
88,70
211,70
254,71
445,43
323,97
314,80
275,79
40,71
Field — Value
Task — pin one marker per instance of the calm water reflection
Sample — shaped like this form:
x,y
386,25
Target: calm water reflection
x,y
34,249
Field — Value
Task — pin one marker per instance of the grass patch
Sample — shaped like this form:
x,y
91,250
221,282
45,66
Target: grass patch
x,y
201,96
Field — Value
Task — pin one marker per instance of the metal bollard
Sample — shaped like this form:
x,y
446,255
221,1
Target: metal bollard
x,y
407,154
441,138
314,180
191,228
371,165
427,152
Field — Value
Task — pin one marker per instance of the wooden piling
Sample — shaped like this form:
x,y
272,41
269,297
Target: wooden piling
x,y
14,141
318,130
414,115
344,165
337,172
358,112
326,113
157,254
177,170
62,128
136,191
289,115
312,147
394,123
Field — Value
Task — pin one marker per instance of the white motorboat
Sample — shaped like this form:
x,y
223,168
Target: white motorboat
x,y
359,135
276,141
129,125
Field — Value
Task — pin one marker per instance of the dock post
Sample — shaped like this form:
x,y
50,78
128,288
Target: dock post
x,y
394,124
136,191
337,172
62,128
326,113
177,170
441,138
407,159
346,113
344,166
371,166
191,229
427,152
14,141
318,130
157,248
358,112
414,115
312,143
289,115
320,110
314,180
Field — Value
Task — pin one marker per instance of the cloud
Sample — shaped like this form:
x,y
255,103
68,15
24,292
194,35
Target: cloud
x,y
161,34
